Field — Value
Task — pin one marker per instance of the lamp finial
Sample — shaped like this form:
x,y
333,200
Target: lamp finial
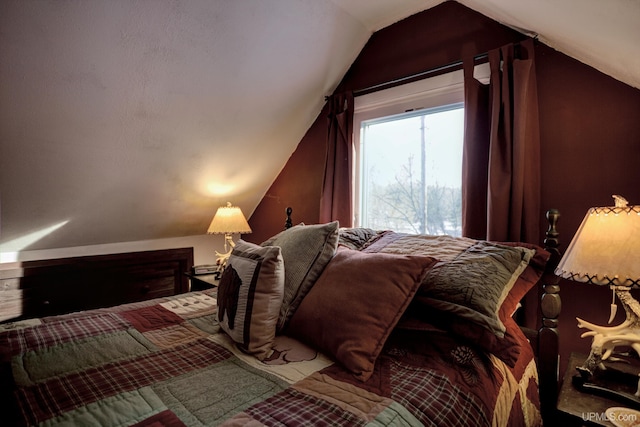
x,y
620,201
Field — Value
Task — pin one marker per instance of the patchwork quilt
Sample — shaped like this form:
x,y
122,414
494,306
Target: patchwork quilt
x,y
165,362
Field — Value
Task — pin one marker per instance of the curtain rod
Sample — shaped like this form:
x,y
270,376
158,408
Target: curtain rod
x,y
453,66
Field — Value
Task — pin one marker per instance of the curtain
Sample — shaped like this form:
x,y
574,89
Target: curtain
x,y
337,185
501,154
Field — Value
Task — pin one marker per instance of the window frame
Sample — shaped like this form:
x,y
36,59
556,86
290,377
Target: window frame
x,y
432,93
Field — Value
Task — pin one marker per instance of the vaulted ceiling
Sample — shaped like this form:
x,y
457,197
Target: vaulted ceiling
x,y
131,120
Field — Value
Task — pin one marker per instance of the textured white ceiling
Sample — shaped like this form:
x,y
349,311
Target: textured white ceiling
x,y
602,34
128,120
135,120
377,14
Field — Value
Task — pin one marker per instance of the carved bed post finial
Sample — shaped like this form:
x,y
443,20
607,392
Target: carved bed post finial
x,y
288,223
550,306
551,236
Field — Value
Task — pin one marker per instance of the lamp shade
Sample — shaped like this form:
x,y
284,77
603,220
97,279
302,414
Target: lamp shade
x,y
227,220
605,249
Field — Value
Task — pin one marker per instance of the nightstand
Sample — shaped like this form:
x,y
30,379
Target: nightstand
x,y
200,282
576,408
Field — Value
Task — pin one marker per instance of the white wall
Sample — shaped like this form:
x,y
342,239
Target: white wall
x,y
204,247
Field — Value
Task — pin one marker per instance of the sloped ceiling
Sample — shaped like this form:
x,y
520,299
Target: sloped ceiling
x,y
130,120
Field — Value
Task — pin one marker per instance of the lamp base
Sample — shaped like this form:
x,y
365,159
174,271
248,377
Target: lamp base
x,y
619,380
222,258
607,338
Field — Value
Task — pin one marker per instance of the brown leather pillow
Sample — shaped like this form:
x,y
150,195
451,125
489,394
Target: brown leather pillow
x,y
355,304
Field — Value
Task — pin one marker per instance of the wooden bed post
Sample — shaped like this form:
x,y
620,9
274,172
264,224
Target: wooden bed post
x,y
548,338
288,223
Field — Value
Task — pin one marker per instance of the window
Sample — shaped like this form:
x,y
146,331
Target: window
x,y
411,171
409,156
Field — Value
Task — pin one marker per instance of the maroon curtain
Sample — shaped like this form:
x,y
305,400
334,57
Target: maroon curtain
x,y
336,195
501,156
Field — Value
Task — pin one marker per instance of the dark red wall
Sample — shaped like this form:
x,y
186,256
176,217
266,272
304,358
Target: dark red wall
x,y
590,134
589,126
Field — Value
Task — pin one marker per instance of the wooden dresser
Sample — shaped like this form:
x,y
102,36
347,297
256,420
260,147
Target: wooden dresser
x,y
58,286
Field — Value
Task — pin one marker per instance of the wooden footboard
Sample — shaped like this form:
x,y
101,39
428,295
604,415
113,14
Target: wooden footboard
x,y
58,286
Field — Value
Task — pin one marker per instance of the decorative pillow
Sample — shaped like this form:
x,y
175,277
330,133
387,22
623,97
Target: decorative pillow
x,y
355,304
507,346
250,296
357,237
527,279
420,316
306,250
476,283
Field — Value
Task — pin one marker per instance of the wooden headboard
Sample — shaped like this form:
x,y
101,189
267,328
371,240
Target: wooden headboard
x,y
58,286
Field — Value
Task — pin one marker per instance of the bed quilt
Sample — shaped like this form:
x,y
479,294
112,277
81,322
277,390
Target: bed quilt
x,y
165,362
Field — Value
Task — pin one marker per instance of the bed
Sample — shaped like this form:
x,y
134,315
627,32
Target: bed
x,y
318,325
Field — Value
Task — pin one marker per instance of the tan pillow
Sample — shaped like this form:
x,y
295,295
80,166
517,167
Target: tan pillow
x,y
250,296
355,304
306,250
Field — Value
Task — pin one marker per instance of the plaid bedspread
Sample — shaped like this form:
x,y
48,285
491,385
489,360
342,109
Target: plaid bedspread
x,y
165,362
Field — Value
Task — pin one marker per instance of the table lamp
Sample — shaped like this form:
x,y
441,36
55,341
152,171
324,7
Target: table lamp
x,y
228,220
606,251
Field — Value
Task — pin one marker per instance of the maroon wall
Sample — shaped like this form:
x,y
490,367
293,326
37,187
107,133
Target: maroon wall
x,y
297,186
590,135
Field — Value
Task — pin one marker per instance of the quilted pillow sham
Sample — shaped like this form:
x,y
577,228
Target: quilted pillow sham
x,y
504,345
475,284
306,250
250,296
355,304
357,237
438,304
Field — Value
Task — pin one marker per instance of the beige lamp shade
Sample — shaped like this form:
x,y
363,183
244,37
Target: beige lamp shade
x,y
605,249
228,220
